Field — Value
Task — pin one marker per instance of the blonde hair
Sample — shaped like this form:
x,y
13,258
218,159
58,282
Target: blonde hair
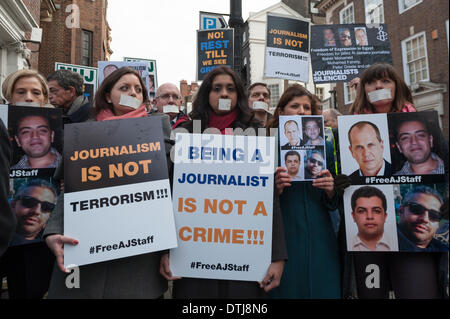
x,y
11,80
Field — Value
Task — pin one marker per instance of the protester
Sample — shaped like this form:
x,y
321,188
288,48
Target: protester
x,y
168,101
259,101
27,267
66,92
312,270
330,118
411,275
132,277
7,217
26,87
223,83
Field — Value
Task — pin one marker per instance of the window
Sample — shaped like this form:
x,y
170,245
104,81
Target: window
x,y
374,11
404,5
415,60
274,94
347,15
349,94
86,47
319,93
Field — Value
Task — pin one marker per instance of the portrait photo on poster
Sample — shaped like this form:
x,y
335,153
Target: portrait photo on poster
x,y
370,220
418,146
422,224
36,138
364,146
32,200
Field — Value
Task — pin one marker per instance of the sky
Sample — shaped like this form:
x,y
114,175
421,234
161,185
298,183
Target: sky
x,y
165,31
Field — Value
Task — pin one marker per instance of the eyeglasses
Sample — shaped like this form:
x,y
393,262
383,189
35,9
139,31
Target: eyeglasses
x,y
314,161
418,209
344,36
31,202
168,96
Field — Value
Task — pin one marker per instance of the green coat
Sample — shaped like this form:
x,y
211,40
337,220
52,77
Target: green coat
x,y
312,270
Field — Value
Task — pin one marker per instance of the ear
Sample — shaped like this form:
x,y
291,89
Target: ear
x,y
108,97
398,147
351,151
52,136
431,141
17,141
353,216
72,90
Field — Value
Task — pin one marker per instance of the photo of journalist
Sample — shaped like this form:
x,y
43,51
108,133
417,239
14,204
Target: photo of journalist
x,y
413,139
292,162
367,148
293,134
34,136
314,163
419,220
313,131
369,211
32,204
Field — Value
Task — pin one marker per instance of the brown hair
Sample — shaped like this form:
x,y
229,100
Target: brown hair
x,y
108,83
294,90
11,80
379,71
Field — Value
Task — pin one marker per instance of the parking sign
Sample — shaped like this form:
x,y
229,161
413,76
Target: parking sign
x,y
210,21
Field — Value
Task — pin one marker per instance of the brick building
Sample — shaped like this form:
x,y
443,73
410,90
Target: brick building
x,y
188,92
76,33
418,33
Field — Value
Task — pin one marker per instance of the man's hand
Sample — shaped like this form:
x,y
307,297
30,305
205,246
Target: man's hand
x,y
273,276
282,179
164,268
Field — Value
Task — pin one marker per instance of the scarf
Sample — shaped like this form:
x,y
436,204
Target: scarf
x,y
106,115
222,122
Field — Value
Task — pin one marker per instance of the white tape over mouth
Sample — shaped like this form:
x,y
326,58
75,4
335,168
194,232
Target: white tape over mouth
x,y
32,104
224,104
127,100
378,95
259,105
170,109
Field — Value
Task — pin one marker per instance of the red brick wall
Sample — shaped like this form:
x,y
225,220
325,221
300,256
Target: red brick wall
x,y
34,6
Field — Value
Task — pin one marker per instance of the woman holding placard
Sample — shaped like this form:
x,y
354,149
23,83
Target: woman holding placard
x,y
121,96
410,275
221,105
312,270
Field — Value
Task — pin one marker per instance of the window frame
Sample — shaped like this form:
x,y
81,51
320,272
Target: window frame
x,y
343,10
406,74
401,6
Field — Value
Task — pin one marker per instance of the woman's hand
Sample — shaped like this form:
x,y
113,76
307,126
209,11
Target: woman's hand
x,y
325,182
354,83
164,268
282,179
56,245
273,276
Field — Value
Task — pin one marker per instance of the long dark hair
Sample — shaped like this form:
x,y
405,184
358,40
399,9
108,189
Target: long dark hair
x,y
294,90
108,83
201,107
380,71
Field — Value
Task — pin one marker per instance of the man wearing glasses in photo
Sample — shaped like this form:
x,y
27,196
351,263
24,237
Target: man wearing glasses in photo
x,y
314,164
345,37
419,220
32,204
168,101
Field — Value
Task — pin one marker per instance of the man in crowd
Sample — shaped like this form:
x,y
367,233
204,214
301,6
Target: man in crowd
x,y
415,142
259,101
313,132
35,136
369,212
420,217
293,161
366,147
168,101
292,132
315,164
330,118
66,92
32,204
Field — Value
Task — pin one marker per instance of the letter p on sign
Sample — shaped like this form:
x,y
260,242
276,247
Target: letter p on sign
x,y
209,23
